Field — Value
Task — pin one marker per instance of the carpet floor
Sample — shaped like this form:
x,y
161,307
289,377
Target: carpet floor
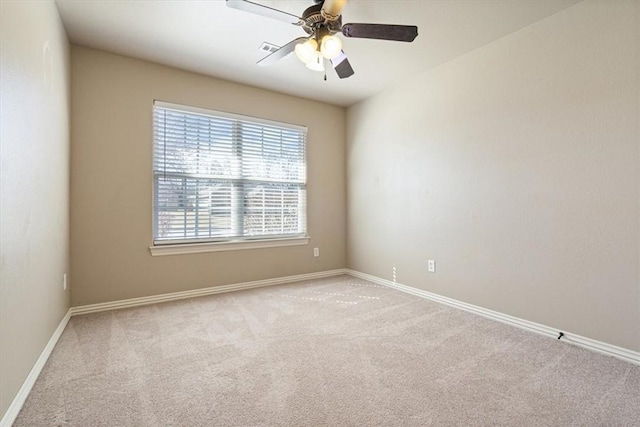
x,y
331,352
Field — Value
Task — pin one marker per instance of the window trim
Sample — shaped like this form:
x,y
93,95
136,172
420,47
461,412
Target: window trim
x,y
162,248
229,245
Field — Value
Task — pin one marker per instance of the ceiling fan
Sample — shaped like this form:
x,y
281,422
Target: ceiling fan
x,y
322,22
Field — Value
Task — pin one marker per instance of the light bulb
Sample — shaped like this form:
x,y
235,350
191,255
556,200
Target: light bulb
x,y
317,64
330,47
306,51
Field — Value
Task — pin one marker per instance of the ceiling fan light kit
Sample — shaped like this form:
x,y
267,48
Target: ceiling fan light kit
x,y
322,22
313,56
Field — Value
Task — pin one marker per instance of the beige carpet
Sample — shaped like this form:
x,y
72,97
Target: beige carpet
x,y
338,352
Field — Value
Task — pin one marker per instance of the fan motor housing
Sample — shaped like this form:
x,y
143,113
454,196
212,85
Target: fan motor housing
x,y
313,21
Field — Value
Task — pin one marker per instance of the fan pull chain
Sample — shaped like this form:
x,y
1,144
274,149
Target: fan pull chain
x,y
325,69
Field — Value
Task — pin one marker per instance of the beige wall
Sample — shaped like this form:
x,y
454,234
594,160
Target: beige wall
x,y
34,186
516,168
111,189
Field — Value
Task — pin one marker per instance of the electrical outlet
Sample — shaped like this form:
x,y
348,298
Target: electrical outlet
x,y
316,252
64,282
431,266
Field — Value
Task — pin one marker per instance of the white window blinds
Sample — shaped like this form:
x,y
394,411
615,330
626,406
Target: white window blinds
x,y
222,177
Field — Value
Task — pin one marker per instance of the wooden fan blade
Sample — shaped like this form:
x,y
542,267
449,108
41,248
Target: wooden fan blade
x,y
269,12
332,9
401,33
342,66
281,53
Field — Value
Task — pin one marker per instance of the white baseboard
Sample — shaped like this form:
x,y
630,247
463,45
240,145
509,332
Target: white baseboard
x,y
134,302
598,346
588,343
14,409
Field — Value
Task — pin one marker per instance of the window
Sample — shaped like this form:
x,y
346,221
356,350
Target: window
x,y
220,177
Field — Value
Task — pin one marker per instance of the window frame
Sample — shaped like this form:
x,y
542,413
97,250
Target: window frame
x,y
197,245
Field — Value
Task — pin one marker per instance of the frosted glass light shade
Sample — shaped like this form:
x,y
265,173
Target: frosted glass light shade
x,y
331,46
306,51
317,64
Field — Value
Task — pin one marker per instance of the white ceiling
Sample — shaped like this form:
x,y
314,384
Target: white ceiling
x,y
209,38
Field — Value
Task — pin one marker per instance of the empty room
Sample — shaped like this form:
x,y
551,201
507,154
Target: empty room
x,y
310,213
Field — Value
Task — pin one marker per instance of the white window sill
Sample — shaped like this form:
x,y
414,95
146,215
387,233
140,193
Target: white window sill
x,y
194,248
